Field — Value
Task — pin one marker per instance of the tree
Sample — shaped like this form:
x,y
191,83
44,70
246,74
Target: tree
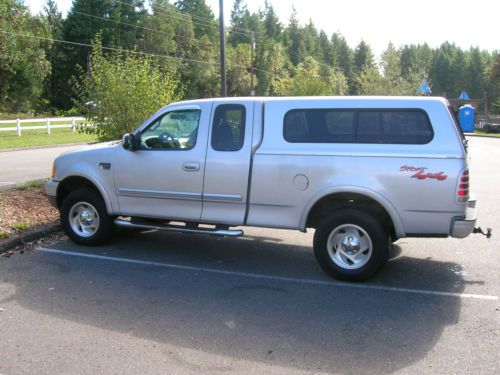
x,y
363,56
125,88
239,22
344,56
114,21
326,50
448,70
391,81
23,62
238,76
201,15
363,59
494,74
52,88
475,74
311,40
296,47
309,81
271,65
272,25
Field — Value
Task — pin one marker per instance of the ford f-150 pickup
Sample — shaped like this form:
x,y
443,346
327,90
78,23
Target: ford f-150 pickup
x,y
362,171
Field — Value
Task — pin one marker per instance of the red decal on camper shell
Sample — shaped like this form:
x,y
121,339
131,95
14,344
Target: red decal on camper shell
x,y
440,176
421,174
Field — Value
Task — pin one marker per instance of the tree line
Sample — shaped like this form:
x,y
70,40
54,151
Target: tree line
x,y
45,59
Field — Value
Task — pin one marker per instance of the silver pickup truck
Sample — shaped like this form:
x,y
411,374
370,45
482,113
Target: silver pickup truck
x,y
361,171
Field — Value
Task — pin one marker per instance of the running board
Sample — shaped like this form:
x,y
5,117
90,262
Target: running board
x,y
178,228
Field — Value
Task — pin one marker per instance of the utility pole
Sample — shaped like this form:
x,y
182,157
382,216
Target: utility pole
x,y
222,51
252,91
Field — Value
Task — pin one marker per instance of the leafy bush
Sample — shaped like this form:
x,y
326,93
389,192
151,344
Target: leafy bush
x,y
121,91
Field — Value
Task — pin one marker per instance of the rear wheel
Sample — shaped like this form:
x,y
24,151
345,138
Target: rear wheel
x,y
351,245
84,218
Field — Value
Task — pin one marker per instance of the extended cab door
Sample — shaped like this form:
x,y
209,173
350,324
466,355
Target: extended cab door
x,y
228,160
164,177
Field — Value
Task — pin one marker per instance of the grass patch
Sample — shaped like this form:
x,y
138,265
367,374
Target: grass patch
x,y
3,235
487,133
35,184
20,226
39,137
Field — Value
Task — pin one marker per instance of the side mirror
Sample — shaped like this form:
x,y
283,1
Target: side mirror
x,y
129,142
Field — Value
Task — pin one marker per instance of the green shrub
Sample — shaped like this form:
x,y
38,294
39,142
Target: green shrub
x,y
20,226
124,89
35,184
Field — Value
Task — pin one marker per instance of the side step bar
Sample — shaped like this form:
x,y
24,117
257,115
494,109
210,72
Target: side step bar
x,y
179,228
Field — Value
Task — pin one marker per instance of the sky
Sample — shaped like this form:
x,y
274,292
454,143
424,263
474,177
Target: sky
x,y
466,23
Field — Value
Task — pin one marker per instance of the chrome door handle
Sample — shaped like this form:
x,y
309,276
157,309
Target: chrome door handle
x,y
191,166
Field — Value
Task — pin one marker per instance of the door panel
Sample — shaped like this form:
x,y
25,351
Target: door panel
x,y
164,179
228,163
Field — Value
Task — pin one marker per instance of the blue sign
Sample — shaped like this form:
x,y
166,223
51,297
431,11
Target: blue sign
x,y
464,95
425,88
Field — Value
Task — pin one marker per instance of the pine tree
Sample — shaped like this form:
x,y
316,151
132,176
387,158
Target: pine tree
x,y
202,16
296,50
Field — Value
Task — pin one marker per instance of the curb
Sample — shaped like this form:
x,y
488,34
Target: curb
x,y
480,135
29,237
47,146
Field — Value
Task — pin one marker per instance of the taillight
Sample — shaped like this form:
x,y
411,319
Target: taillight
x,y
463,187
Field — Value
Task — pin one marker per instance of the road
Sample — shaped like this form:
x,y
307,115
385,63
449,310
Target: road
x,y
154,303
28,165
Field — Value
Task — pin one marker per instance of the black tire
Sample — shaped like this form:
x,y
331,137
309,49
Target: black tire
x,y
366,229
101,224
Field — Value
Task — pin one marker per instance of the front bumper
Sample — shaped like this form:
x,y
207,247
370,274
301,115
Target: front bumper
x,y
51,191
461,227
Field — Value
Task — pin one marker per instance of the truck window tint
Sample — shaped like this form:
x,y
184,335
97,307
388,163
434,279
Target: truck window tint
x,y
175,130
357,126
399,127
228,128
319,126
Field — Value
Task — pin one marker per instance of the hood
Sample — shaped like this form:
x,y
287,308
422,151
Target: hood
x,y
91,147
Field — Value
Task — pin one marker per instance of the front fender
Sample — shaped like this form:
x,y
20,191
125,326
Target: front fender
x,y
110,207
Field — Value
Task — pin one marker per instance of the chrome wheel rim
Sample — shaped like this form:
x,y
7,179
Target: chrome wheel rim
x,y
349,246
84,219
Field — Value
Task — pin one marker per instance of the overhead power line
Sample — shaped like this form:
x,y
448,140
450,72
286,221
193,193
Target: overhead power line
x,y
105,47
197,20
122,50
132,25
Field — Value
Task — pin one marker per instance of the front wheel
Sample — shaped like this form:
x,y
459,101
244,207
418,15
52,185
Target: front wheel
x,y
351,245
84,218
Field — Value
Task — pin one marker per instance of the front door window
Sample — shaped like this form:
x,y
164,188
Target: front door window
x,y
175,130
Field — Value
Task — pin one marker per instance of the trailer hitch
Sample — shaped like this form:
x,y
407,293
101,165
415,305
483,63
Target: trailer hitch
x,y
480,231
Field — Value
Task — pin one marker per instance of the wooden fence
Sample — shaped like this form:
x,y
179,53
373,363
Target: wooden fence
x,y
70,122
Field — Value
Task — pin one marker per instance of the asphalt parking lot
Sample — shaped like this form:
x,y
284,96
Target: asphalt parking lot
x,y
174,303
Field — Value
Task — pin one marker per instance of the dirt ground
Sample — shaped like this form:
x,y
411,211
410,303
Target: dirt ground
x,y
24,209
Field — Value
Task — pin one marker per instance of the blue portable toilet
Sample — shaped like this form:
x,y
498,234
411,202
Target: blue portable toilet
x,y
466,118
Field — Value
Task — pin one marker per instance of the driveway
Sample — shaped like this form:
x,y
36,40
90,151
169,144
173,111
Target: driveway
x,y
26,165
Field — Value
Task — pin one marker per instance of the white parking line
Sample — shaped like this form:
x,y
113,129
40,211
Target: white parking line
x,y
271,277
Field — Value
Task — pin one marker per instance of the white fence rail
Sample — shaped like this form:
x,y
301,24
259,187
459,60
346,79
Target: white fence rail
x,y
482,120
70,122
